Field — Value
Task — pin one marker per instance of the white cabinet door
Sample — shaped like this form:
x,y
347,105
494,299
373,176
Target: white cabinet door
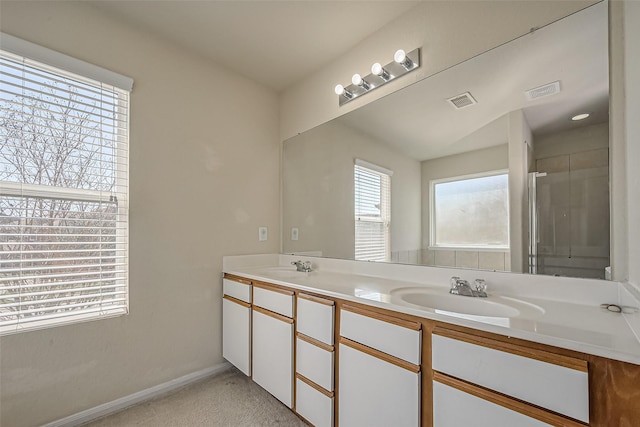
x,y
236,334
273,354
456,408
374,392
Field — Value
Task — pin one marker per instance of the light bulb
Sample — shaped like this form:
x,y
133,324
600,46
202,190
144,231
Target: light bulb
x,y
359,81
400,56
377,70
339,89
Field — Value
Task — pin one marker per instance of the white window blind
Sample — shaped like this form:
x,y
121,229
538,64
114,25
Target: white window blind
x,y
471,211
63,196
372,186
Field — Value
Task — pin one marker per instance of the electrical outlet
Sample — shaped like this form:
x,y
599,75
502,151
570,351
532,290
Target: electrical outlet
x,y
262,234
294,233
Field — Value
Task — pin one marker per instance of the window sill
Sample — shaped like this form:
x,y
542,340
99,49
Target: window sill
x,y
470,248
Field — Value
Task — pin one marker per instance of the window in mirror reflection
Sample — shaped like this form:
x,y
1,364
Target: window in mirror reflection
x,y
372,196
470,211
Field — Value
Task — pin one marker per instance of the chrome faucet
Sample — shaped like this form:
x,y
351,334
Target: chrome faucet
x,y
462,287
304,267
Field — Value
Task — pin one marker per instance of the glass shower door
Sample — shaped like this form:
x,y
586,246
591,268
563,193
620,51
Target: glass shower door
x,y
569,215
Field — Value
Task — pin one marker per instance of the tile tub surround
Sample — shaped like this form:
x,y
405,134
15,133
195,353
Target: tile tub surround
x,y
572,316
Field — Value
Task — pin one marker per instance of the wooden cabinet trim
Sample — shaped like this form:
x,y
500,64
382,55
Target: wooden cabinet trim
x,y
506,402
237,301
531,353
273,288
316,299
310,383
237,279
272,314
416,326
315,342
380,355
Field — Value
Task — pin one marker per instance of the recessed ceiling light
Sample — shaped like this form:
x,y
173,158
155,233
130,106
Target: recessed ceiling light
x,y
580,117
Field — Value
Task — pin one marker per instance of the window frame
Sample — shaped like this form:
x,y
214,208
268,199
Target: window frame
x,y
64,67
432,213
385,211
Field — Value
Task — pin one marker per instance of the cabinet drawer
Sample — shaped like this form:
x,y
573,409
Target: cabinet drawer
x,y
561,389
397,337
455,408
313,405
314,318
274,299
241,291
315,363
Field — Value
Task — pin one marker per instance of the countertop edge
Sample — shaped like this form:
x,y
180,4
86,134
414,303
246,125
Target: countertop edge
x,y
564,343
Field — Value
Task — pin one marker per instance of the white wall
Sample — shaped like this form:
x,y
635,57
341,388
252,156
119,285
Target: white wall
x,y
204,175
584,138
318,190
520,152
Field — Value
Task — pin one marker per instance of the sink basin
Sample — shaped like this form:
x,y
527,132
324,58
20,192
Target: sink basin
x,y
458,304
284,272
481,309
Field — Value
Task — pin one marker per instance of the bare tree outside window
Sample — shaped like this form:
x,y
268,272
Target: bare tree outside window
x,y
58,209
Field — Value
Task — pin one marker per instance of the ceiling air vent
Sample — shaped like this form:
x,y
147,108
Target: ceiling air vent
x,y
542,91
462,100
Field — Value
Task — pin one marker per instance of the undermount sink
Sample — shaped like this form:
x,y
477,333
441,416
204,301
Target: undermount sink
x,y
284,272
460,306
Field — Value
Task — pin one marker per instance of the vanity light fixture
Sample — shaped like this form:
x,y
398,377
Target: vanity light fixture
x,y
580,117
402,64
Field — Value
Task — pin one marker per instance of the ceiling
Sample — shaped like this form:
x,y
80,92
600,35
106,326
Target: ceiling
x,y
420,122
275,43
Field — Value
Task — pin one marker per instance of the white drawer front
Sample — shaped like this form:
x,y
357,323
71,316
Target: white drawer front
x,y
315,320
315,363
237,290
313,406
395,340
560,389
455,408
274,301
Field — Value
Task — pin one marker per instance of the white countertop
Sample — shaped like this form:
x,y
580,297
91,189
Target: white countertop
x,y
582,326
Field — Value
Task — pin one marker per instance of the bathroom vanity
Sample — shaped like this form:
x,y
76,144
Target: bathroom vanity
x,y
355,344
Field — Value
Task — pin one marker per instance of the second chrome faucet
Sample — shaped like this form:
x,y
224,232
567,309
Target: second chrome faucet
x,y
304,267
464,288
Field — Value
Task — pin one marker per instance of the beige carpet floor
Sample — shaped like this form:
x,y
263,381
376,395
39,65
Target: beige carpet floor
x,y
227,399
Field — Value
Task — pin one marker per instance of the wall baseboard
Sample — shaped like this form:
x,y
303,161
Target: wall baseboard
x,y
135,398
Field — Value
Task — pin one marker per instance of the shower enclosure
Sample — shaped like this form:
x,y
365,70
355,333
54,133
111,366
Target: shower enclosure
x,y
569,215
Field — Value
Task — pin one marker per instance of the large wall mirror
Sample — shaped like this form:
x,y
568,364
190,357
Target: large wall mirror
x,y
483,166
